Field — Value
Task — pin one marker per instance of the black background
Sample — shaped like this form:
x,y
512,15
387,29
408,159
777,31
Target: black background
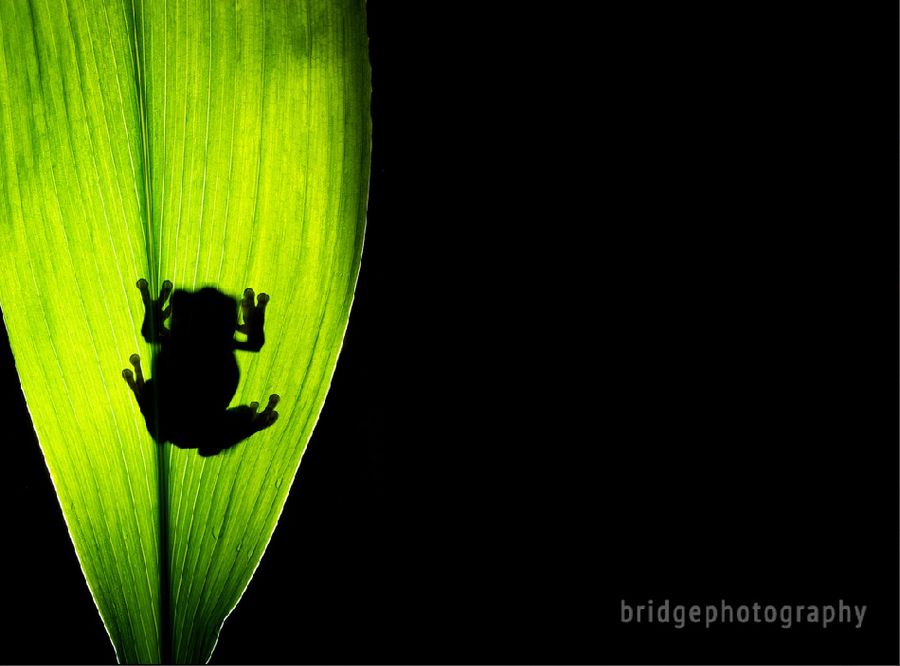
x,y
626,328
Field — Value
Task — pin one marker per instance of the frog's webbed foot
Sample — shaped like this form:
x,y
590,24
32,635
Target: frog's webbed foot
x,y
239,424
266,417
135,379
254,317
155,311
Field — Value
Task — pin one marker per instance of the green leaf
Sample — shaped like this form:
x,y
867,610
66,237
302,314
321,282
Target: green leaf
x,y
209,143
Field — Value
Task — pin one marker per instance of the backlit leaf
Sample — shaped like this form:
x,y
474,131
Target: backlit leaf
x,y
207,142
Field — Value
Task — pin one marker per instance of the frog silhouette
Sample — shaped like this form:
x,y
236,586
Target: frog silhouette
x,y
195,372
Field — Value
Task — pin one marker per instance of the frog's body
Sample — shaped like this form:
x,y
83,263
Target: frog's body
x,y
195,372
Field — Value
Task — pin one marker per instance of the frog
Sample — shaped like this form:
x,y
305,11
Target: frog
x,y
195,373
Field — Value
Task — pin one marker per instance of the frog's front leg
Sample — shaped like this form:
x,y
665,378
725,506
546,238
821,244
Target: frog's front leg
x,y
155,311
254,317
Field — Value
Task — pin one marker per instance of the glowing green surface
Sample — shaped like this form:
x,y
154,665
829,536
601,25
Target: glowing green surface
x,y
205,142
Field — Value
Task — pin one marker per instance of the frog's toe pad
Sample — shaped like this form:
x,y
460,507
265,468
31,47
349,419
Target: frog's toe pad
x,y
268,416
128,376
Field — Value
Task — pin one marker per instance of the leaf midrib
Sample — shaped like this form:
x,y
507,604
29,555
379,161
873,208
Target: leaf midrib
x,y
146,213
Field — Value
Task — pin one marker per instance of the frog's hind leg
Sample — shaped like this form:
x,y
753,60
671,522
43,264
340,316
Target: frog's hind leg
x,y
266,417
145,393
135,379
238,424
